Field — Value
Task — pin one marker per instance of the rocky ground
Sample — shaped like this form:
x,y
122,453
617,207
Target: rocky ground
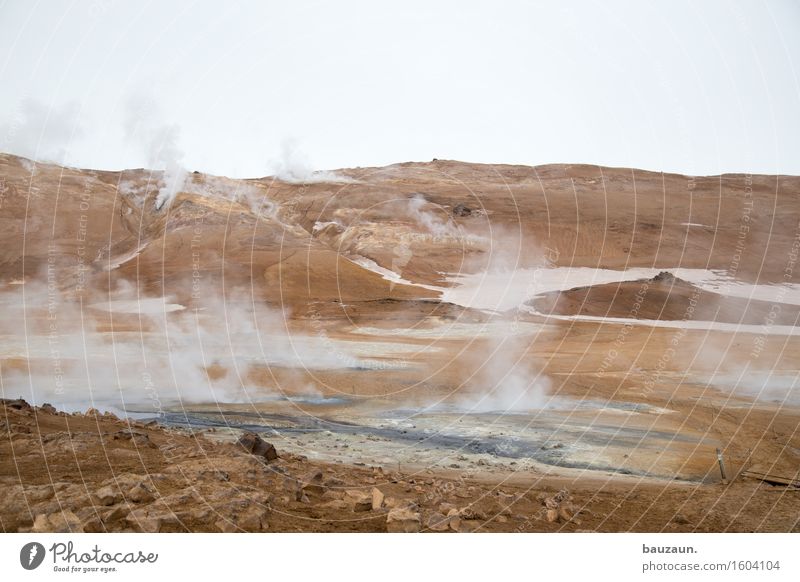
x,y
92,472
438,346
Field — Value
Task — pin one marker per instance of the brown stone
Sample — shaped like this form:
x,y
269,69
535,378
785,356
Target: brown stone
x,y
108,495
257,446
312,483
377,499
59,522
139,494
402,520
438,522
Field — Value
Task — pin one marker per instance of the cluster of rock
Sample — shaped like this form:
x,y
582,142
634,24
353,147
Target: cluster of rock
x,y
560,508
94,472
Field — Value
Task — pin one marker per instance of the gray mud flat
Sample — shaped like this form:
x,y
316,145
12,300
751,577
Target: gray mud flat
x,y
568,439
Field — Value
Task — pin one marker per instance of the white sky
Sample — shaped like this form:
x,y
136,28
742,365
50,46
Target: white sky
x,y
698,88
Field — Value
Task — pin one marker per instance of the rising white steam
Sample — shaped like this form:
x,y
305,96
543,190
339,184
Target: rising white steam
x,y
418,210
165,354
158,140
295,167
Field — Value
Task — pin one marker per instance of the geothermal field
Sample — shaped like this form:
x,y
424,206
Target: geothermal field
x,y
437,346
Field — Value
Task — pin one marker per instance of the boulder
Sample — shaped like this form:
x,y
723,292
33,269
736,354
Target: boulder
x,y
462,210
139,494
377,499
565,513
392,502
48,408
454,520
59,522
402,520
471,512
151,519
446,507
359,500
257,446
226,526
117,512
333,495
108,495
312,483
253,519
16,404
140,439
438,522
680,519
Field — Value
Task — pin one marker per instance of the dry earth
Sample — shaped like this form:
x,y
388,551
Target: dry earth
x,y
500,348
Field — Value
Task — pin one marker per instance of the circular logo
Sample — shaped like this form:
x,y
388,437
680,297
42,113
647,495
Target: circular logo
x,y
31,555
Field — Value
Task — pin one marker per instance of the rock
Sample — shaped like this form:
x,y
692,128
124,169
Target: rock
x,y
332,495
92,412
116,513
377,499
471,513
551,515
665,276
392,502
462,210
454,520
313,483
295,490
60,522
150,519
680,519
438,522
402,520
501,519
564,513
364,504
48,408
226,526
139,494
140,439
108,495
93,525
253,519
257,446
16,404
551,503
38,493
199,513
